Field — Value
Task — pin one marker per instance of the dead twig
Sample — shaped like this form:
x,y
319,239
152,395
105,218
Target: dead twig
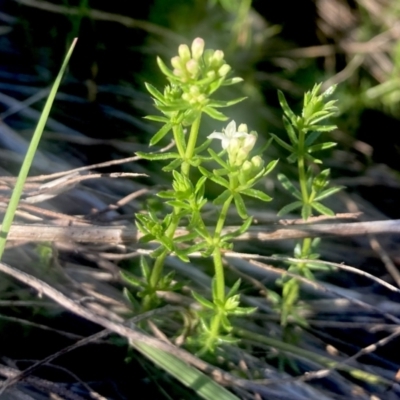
x,y
125,235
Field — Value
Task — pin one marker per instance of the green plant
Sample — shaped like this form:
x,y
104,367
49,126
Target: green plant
x,y
303,131
197,74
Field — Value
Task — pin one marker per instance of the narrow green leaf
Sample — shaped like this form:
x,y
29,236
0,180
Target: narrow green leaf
x,y
285,107
283,179
203,146
166,194
322,209
221,104
182,256
157,156
155,92
321,116
322,128
244,227
270,167
289,208
264,147
328,192
205,172
213,113
160,134
202,300
312,159
292,158
33,145
290,130
218,159
258,194
311,138
165,70
240,206
234,289
157,118
200,184
172,165
218,179
222,198
179,136
131,279
185,238
144,266
178,203
282,143
321,146
243,311
232,81
131,298
196,247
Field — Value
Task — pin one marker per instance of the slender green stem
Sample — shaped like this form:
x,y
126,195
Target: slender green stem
x,y
157,269
181,149
194,132
158,266
222,217
215,328
219,275
306,244
302,169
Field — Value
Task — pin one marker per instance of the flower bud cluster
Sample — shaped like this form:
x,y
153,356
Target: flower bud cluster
x,y
238,144
187,65
250,169
191,64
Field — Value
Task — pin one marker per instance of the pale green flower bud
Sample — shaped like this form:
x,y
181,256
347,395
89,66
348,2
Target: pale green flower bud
x,y
224,70
233,149
201,98
192,66
194,90
177,72
218,57
211,74
176,62
245,172
257,163
197,48
184,52
208,56
247,145
250,169
243,128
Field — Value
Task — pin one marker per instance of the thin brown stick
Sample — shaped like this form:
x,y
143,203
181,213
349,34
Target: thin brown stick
x,y
124,235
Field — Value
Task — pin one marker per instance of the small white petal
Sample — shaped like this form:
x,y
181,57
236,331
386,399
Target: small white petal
x,y
216,135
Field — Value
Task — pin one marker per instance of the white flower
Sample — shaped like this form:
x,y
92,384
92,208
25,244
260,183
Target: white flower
x,y
228,134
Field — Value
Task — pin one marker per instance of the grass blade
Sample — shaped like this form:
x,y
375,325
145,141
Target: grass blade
x,y
204,386
16,194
